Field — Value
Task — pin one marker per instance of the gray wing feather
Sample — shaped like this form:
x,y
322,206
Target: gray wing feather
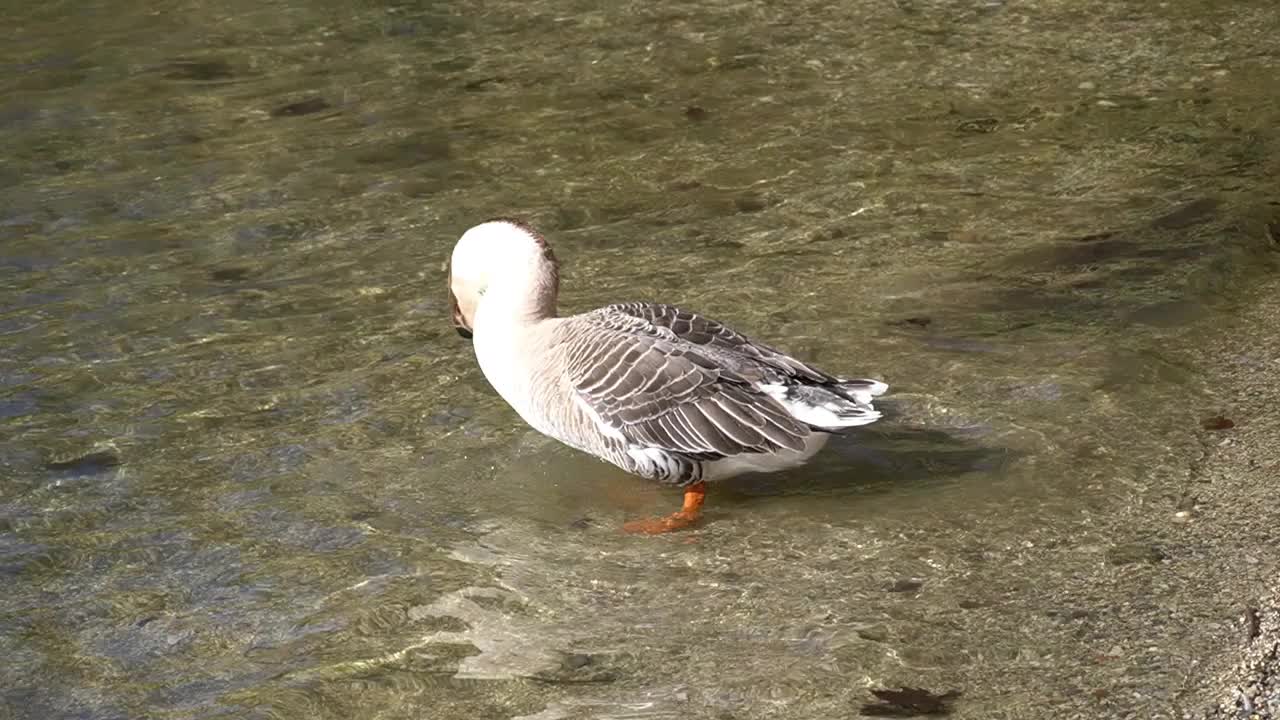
x,y
658,389
752,359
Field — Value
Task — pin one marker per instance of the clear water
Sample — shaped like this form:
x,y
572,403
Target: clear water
x,y
249,470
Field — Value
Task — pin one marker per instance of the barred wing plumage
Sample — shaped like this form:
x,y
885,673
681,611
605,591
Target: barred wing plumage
x,y
657,388
754,360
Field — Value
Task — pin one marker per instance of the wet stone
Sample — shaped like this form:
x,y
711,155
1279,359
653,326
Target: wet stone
x,y
1043,391
1068,614
401,28
200,70
570,218
404,153
578,668
909,702
230,274
905,585
693,113
94,461
874,633
1252,624
456,64
23,404
749,203
451,417
482,83
1193,213
302,107
1217,422
979,125
1172,313
1130,553
916,321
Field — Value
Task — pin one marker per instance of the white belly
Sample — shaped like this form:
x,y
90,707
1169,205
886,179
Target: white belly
x,y
765,462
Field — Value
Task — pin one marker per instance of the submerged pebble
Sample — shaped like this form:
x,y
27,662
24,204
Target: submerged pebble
x,y
1192,213
1217,422
905,585
909,702
94,461
696,114
1129,553
750,203
301,107
874,633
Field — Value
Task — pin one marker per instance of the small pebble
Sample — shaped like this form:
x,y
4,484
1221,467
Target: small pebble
x,y
906,585
1217,422
693,113
875,633
749,203
96,460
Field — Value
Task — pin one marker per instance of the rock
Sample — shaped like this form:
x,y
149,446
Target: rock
x,y
749,203
302,107
1129,553
1217,422
1192,213
905,585
874,633
231,274
94,461
919,321
1252,624
909,701
693,113
211,70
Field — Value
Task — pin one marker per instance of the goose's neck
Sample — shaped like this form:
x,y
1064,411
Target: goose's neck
x,y
521,298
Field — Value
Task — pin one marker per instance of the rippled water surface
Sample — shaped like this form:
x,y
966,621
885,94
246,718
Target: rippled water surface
x,y
248,470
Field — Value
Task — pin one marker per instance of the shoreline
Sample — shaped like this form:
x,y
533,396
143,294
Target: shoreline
x,y
1237,510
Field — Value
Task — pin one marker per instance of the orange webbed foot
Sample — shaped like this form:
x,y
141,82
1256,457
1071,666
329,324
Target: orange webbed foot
x,y
687,515
657,526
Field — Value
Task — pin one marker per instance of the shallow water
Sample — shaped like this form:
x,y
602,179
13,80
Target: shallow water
x,y
250,471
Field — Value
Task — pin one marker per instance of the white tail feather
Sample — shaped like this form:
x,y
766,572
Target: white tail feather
x,y
824,408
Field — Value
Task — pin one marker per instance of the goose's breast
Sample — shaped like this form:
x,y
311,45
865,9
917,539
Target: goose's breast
x,y
527,374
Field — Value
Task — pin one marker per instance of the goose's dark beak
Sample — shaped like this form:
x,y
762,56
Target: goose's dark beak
x,y
459,322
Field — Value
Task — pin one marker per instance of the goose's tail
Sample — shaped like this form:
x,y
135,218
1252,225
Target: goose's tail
x,y
835,407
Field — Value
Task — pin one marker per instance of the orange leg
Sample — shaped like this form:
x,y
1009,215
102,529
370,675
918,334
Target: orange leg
x,y
688,515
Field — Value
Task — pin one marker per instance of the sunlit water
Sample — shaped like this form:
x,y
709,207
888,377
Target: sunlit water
x,y
249,470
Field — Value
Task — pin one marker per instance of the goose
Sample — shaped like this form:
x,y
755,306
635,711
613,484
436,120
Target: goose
x,y
661,392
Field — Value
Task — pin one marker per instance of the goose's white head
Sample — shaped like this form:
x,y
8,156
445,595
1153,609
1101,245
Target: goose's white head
x,y
508,267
